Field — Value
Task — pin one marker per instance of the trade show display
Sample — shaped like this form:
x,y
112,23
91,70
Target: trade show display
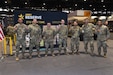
x,y
43,18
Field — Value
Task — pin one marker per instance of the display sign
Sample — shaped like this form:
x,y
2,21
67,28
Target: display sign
x,y
42,16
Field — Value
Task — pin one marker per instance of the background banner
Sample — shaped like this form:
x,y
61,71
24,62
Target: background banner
x,y
43,16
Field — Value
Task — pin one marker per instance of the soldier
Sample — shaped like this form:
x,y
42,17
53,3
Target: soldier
x,y
63,35
20,29
88,35
48,36
106,23
10,32
102,36
35,36
75,30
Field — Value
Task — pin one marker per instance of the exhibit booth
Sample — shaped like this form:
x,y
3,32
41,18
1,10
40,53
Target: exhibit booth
x,y
54,17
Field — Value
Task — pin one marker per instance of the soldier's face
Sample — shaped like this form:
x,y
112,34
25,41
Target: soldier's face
x,y
106,23
48,24
86,20
62,22
75,23
34,21
20,20
99,23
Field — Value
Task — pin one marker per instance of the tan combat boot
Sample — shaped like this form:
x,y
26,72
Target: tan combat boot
x,y
17,59
105,55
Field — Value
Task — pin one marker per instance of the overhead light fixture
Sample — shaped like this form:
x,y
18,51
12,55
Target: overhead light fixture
x,y
93,17
104,6
5,9
102,17
95,12
108,12
59,5
70,8
25,2
99,11
102,0
93,8
5,1
16,7
105,9
75,4
44,3
104,12
65,11
90,5
42,7
84,0
1,9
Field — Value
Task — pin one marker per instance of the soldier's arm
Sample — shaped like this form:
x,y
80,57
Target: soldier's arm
x,y
97,30
107,33
29,29
40,30
67,30
82,29
15,28
57,30
25,30
43,34
7,29
70,30
94,28
54,33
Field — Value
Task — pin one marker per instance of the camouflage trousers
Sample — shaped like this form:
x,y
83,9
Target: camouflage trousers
x,y
74,42
34,43
102,44
89,40
12,38
20,42
49,43
62,44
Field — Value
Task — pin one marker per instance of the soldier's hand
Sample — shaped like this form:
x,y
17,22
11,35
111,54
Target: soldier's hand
x,y
98,30
58,27
15,28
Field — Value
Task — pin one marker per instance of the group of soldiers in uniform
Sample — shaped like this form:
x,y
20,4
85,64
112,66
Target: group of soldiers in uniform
x,y
48,34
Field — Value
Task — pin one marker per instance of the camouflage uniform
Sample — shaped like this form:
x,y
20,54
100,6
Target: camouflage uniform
x,y
75,30
35,37
48,35
102,35
63,35
10,33
21,33
88,36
